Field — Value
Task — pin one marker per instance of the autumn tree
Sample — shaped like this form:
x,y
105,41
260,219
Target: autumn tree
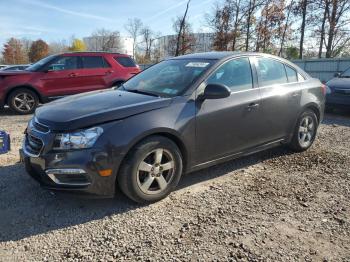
x,y
13,52
270,26
220,21
134,27
38,50
77,45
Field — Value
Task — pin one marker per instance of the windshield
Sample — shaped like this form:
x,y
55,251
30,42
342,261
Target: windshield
x,y
168,78
40,63
346,73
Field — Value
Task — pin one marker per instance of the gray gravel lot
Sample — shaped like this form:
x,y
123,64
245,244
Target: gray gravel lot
x,y
273,205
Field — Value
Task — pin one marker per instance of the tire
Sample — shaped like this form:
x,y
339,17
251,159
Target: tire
x,y
28,104
146,179
305,131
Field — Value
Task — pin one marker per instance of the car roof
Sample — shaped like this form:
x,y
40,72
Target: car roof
x,y
217,55
95,53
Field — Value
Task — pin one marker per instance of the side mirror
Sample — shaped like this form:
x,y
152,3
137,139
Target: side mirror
x,y
215,91
337,74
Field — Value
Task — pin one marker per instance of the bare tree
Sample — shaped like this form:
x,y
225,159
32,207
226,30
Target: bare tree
x,y
251,9
58,47
180,33
325,5
148,40
186,42
134,27
103,40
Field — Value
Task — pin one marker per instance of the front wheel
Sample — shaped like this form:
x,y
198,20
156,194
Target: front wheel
x,y
151,171
305,131
23,101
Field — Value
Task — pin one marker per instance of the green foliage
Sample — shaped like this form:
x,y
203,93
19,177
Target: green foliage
x,y
292,52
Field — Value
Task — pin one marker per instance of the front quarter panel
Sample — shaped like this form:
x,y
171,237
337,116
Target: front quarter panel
x,y
176,120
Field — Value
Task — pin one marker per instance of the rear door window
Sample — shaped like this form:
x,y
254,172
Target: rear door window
x,y
89,62
291,74
125,61
270,72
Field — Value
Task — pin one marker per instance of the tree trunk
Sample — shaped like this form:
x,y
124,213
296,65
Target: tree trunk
x,y
332,24
302,29
323,28
182,24
285,27
250,11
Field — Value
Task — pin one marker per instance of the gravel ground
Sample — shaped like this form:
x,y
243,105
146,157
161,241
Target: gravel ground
x,y
274,205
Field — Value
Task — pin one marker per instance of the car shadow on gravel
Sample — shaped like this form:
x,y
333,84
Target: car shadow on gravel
x,y
28,210
340,117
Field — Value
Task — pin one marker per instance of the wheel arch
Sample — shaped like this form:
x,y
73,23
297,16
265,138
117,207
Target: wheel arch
x,y
29,87
315,108
167,133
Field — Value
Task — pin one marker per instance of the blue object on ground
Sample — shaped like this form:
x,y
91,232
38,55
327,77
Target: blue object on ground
x,y
4,142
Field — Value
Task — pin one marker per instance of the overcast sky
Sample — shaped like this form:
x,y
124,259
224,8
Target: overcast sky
x,y
54,20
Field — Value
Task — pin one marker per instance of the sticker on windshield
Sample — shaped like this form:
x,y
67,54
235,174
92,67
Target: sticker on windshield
x,y
169,91
197,64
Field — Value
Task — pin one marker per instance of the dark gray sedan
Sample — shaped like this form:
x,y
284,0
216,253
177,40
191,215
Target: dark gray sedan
x,y
338,90
180,115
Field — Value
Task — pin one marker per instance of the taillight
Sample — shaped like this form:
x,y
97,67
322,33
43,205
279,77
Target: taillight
x,y
324,89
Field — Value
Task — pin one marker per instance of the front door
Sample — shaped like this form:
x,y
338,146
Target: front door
x,y
229,125
61,76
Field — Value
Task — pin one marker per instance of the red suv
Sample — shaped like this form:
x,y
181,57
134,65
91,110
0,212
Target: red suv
x,y
60,75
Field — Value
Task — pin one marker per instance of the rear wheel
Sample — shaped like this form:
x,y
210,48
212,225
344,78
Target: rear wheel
x,y
151,170
305,131
23,101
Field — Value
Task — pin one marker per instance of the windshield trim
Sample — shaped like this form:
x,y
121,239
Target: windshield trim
x,y
52,57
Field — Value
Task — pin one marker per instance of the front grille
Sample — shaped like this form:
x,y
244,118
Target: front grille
x,y
33,145
40,127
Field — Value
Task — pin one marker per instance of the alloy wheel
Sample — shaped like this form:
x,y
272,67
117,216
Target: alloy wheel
x,y
307,130
24,102
155,171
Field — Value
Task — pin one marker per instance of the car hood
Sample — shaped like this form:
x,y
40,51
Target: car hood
x,y
14,73
88,109
339,82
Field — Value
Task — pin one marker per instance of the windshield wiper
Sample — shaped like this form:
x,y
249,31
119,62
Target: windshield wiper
x,y
138,91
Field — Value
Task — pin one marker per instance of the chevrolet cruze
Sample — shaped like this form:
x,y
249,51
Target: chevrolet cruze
x,y
180,115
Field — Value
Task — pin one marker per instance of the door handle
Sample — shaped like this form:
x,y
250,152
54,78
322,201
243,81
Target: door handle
x,y
252,106
109,72
72,75
295,94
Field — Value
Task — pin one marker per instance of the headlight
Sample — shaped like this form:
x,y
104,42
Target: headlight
x,y
328,90
78,140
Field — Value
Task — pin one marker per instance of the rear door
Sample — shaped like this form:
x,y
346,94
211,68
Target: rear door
x,y
95,73
280,97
